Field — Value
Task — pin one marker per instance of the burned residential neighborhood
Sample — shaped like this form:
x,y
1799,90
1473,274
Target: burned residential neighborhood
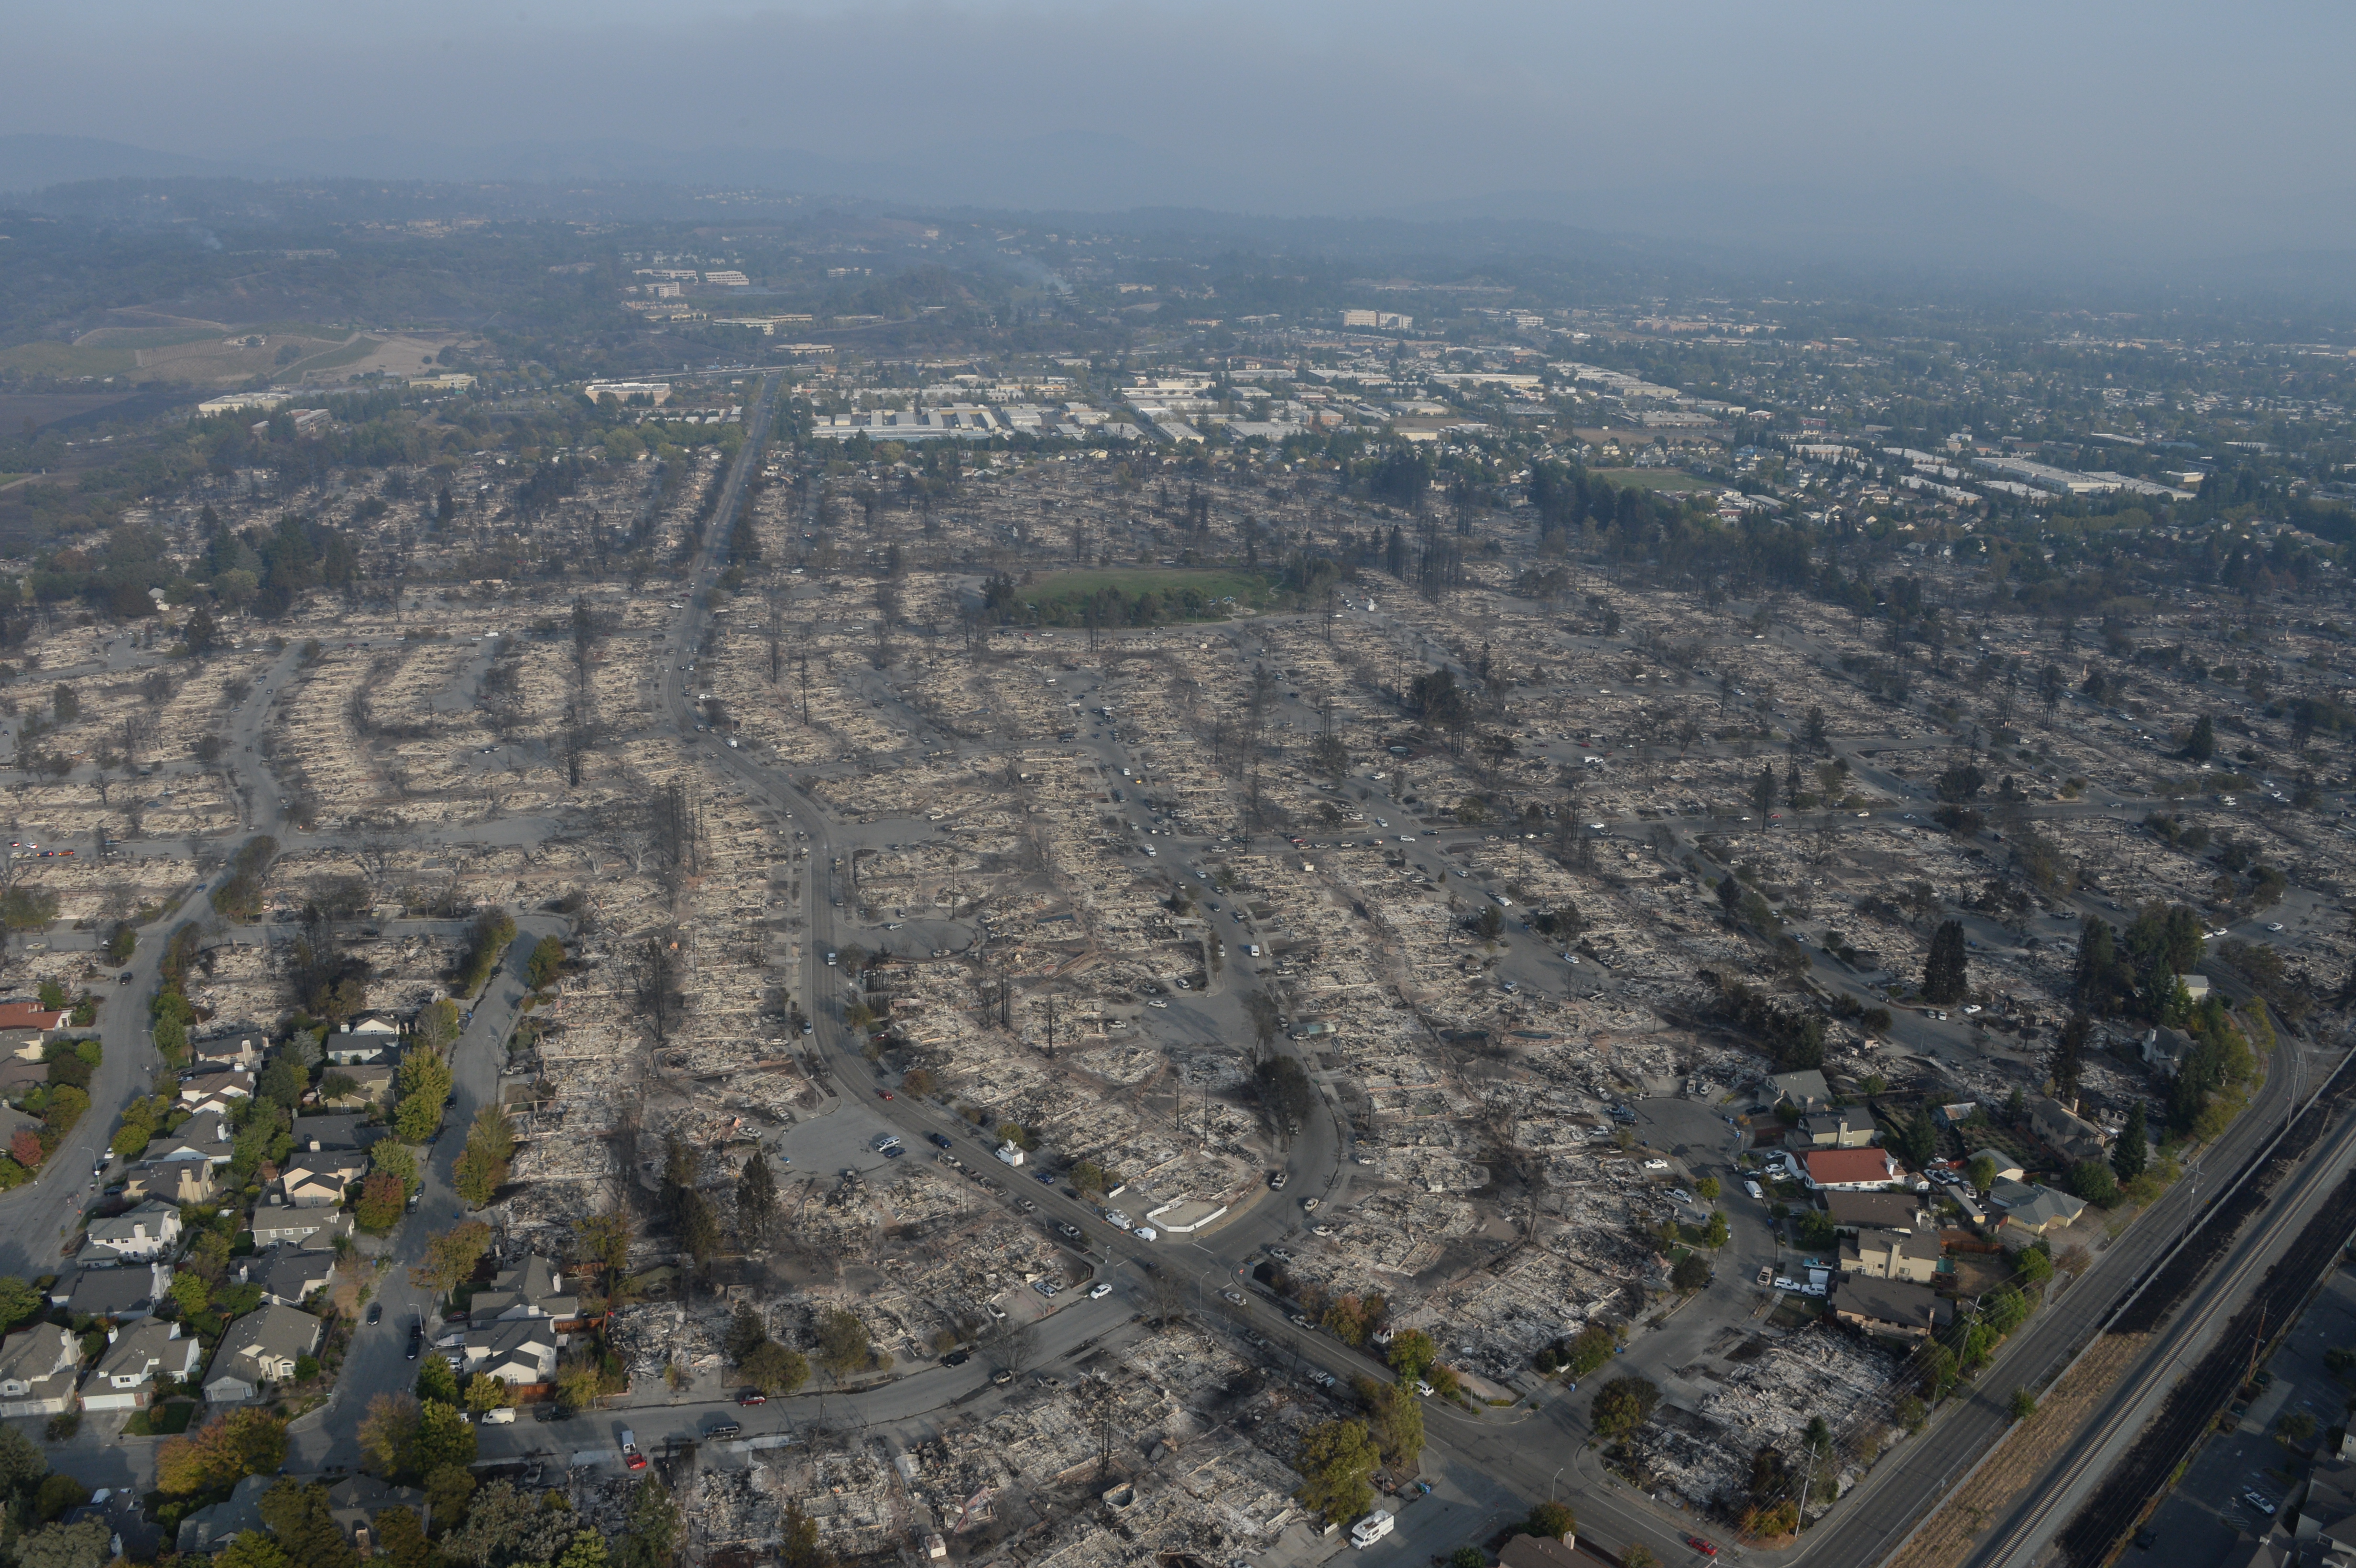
x,y
1086,899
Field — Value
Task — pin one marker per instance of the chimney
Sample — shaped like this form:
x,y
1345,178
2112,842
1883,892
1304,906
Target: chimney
x,y
110,1334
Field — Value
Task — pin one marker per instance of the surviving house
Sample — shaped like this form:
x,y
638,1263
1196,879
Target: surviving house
x,y
1875,1211
318,1229
1850,1126
211,1528
2065,1131
370,1085
1892,1255
532,1288
1854,1170
1805,1090
177,1181
127,1370
355,1501
216,1090
370,1037
27,1028
143,1235
519,1351
2036,1210
2166,1048
261,1348
37,1370
121,1295
1891,1306
204,1138
289,1275
319,1181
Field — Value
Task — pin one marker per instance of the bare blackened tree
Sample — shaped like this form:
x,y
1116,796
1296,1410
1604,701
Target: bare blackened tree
x,y
657,990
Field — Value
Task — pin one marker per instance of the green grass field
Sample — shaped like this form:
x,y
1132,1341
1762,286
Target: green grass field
x,y
1178,594
1210,581
1653,479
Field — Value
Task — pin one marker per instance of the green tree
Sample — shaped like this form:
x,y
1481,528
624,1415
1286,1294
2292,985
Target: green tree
x,y
305,1531
84,1545
1982,1171
251,1548
546,962
485,1393
2022,1404
444,1436
482,1165
379,1207
587,1551
2129,1155
391,1157
401,1537
1943,978
1556,1521
1337,1462
424,1087
1395,1417
843,1346
1691,1273
450,1257
756,1197
1707,1189
1714,1234
19,1302
2199,745
652,1534
1625,1404
2093,1181
1412,1353
775,1370
436,1381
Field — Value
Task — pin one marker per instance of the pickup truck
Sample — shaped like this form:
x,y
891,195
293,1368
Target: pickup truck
x,y
630,1454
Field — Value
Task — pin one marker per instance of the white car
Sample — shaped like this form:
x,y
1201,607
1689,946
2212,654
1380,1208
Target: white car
x,y
1656,1165
1099,1291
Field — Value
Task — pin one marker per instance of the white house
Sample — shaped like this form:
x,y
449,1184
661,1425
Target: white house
x,y
37,1370
124,1378
143,1235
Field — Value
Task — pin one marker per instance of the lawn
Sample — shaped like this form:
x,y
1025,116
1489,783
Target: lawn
x,y
168,1420
1653,479
1178,593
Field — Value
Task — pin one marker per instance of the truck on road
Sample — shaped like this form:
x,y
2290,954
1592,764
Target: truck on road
x,y
630,1454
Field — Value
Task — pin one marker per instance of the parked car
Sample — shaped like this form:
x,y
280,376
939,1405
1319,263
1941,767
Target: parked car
x,y
752,1396
1100,1290
1704,1547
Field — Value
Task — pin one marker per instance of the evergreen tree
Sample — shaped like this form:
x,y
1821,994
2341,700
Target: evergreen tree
x,y
2067,1061
756,1197
2094,986
2128,1154
1943,979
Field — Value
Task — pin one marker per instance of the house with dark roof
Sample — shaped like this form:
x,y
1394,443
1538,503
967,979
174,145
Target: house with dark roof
x,y
369,1038
2034,1210
2065,1131
178,1182
1849,1126
275,1225
135,1358
124,1294
259,1349
1892,1255
355,1502
516,1351
1891,1306
1875,1211
1805,1090
211,1528
532,1288
289,1275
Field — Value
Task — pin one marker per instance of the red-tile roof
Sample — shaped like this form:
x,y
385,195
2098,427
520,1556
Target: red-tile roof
x,y
31,1015
1829,1167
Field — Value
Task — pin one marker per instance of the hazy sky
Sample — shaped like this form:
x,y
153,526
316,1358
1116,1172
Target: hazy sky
x,y
2159,111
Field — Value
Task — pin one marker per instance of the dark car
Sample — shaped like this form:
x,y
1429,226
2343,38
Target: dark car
x,y
957,1358
416,1340
895,1152
940,1140
123,978
376,1312
724,1429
